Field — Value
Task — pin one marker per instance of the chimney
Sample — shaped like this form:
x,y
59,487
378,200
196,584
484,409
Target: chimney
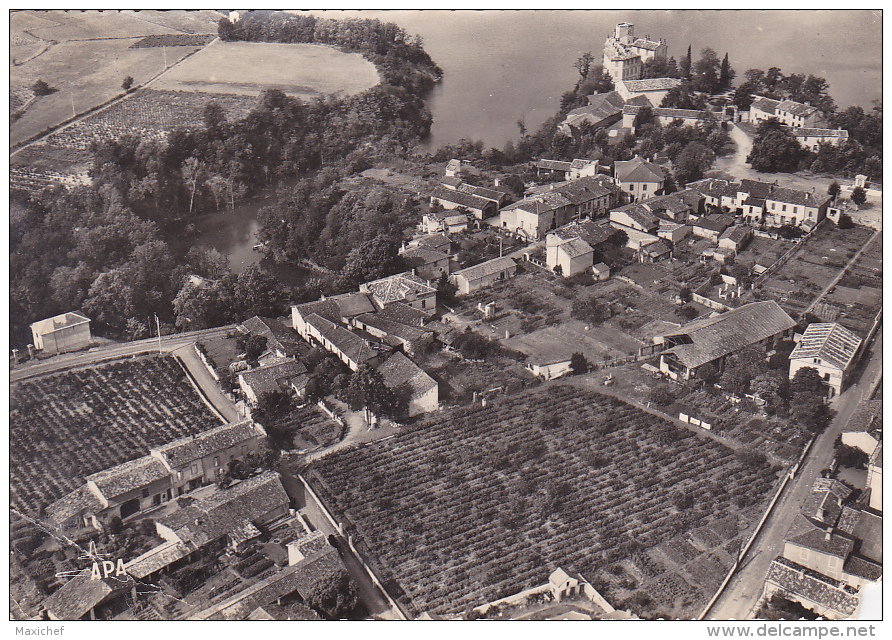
x,y
497,182
828,534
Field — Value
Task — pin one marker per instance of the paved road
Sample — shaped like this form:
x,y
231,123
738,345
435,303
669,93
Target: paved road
x,y
33,369
744,590
206,384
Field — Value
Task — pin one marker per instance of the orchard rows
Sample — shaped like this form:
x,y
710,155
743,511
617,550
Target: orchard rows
x,y
483,502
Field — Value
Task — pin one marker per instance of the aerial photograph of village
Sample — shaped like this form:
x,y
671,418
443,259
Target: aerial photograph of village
x,y
445,315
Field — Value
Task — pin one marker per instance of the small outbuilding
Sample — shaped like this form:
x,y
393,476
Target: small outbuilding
x,y
60,334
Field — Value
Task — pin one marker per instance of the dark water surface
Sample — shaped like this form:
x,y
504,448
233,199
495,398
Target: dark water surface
x,y
504,66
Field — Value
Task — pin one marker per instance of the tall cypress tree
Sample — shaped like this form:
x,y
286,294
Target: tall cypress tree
x,y
726,75
685,65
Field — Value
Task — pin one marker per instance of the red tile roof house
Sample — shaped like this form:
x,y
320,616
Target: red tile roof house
x,y
711,339
829,348
85,598
864,430
430,264
60,334
349,347
554,205
337,309
482,275
236,513
199,459
603,110
480,208
268,378
414,340
403,287
280,339
639,178
572,256
409,380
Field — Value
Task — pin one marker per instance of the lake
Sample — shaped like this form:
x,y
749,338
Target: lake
x,y
504,66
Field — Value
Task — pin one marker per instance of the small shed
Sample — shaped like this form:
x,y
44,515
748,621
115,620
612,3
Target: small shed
x,y
601,271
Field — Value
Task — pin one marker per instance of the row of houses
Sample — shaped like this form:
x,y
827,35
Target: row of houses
x,y
168,471
831,551
765,202
381,326
804,121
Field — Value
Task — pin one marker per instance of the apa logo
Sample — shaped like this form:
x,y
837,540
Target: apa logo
x,y
107,567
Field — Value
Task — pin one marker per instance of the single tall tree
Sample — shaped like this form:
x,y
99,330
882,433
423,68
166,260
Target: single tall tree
x,y
685,65
726,74
584,64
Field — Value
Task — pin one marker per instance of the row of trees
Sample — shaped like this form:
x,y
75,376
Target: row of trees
x,y
707,74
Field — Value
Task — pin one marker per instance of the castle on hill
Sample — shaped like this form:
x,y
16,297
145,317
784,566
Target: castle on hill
x,y
625,55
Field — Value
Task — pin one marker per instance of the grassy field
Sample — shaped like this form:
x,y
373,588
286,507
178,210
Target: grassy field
x,y
85,74
69,425
247,68
480,503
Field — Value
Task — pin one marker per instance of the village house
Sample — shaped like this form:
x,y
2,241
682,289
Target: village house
x,y
83,595
139,485
814,138
475,278
833,549
792,114
676,206
169,555
456,169
281,341
639,178
439,241
735,238
402,287
673,232
634,216
430,264
200,459
794,207
864,429
571,255
412,339
687,117
653,89
61,334
711,227
603,110
624,54
716,193
411,382
481,208
595,232
829,348
556,204
235,514
712,339
350,348
269,378
444,221
577,168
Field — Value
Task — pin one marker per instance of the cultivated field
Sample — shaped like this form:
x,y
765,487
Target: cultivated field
x,y
69,425
478,504
62,155
247,68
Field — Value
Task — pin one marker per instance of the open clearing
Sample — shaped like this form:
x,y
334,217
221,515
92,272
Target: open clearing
x,y
482,502
247,68
70,425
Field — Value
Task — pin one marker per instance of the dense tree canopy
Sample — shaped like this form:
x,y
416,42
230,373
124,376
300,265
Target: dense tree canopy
x,y
775,149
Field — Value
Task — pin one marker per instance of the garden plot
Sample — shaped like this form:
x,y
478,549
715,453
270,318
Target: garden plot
x,y
69,425
247,68
470,505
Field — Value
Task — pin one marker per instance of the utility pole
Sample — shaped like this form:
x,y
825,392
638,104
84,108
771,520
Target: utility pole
x,y
73,112
158,326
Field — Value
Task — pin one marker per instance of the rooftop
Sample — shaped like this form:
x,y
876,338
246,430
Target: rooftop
x,y
796,108
651,84
553,165
575,247
391,327
63,321
404,313
828,341
128,476
818,588
638,170
765,104
820,133
277,334
716,223
181,452
806,533
496,195
71,505
398,287
594,233
418,256
434,241
487,268
325,308
154,559
82,593
347,342
639,214
714,337
271,377
867,417
460,198
662,112
398,371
